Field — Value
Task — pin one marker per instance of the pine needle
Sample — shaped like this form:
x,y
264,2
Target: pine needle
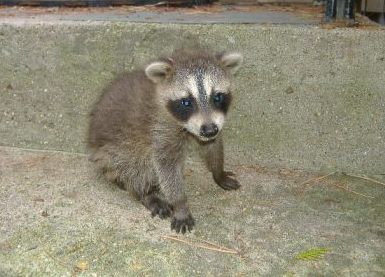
x,y
204,245
317,179
365,178
352,191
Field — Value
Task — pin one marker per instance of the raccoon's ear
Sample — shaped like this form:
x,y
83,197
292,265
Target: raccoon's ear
x,y
231,61
159,70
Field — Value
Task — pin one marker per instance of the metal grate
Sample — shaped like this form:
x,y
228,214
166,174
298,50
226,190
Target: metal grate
x,y
340,9
102,3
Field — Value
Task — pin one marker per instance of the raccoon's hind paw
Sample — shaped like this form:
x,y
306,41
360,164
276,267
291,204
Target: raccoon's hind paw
x,y
158,207
182,224
228,183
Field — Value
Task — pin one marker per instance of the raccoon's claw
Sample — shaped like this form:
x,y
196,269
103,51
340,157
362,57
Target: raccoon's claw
x,y
228,183
229,173
183,224
160,208
162,212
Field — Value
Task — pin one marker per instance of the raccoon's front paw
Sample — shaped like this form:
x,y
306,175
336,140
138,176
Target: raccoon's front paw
x,y
182,224
228,183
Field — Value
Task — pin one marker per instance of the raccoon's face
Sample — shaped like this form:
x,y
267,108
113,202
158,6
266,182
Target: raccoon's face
x,y
197,92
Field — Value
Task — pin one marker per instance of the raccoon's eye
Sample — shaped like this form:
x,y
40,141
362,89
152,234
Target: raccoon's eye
x,y
218,98
186,102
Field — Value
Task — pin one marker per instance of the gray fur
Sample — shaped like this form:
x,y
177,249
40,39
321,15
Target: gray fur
x,y
137,143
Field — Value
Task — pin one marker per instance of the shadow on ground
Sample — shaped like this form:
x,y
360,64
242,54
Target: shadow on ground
x,y
58,219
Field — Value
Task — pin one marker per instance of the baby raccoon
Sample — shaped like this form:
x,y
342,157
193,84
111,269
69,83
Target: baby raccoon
x,y
141,124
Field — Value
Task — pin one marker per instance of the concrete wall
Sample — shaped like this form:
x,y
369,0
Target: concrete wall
x,y
306,97
373,6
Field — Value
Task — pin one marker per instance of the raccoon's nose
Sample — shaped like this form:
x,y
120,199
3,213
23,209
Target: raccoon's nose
x,y
209,130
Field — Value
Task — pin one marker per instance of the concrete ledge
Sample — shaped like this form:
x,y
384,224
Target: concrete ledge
x,y
306,97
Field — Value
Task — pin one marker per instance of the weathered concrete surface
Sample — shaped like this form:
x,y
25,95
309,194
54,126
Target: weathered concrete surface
x,y
307,97
57,219
206,15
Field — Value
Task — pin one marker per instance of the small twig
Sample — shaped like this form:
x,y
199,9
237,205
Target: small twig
x,y
352,191
214,247
365,178
317,179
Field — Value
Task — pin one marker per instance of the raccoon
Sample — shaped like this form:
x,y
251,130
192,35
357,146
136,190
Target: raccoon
x,y
140,127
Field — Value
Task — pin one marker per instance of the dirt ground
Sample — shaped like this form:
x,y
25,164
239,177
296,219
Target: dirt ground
x,y
58,219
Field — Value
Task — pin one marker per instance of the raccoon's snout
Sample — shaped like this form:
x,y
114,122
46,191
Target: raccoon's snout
x,y
209,130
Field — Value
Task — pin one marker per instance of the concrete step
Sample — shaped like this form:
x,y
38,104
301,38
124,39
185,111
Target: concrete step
x,y
308,96
58,219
